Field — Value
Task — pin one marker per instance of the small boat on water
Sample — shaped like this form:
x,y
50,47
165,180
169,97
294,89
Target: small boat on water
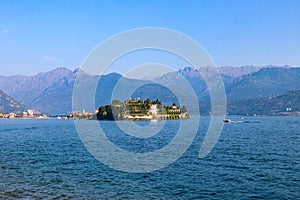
x,y
226,120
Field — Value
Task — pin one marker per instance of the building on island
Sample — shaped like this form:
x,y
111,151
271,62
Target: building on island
x,y
137,109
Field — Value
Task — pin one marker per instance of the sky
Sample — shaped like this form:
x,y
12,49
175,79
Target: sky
x,y
38,36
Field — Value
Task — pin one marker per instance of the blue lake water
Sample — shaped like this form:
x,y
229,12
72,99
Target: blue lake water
x,y
45,159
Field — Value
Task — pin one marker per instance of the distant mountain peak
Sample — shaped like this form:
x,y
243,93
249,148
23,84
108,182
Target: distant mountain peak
x,y
56,70
188,69
63,70
79,73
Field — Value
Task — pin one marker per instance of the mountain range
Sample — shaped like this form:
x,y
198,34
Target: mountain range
x,y
287,103
51,92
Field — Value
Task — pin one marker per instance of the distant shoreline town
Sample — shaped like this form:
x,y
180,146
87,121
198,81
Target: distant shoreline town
x,y
29,113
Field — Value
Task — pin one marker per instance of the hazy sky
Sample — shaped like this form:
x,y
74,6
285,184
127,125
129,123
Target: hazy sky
x,y
37,36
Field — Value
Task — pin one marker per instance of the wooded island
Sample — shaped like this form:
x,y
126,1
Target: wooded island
x,y
137,109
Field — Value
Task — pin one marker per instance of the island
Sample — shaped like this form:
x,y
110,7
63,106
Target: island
x,y
137,109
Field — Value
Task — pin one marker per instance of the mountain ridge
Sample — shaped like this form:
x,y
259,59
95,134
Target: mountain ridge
x,y
287,103
51,92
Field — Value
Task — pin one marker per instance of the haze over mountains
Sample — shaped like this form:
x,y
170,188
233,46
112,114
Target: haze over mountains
x,y
51,92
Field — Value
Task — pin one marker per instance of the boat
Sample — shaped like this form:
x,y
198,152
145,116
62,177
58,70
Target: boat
x,y
226,120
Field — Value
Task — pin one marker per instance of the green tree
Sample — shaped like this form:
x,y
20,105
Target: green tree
x,y
116,102
148,101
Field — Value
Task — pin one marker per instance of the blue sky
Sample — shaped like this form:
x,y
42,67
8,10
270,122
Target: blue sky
x,y
37,36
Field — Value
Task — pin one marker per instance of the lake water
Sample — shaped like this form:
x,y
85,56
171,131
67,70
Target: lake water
x,y
45,159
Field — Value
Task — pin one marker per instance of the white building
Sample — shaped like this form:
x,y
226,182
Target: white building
x,y
154,109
